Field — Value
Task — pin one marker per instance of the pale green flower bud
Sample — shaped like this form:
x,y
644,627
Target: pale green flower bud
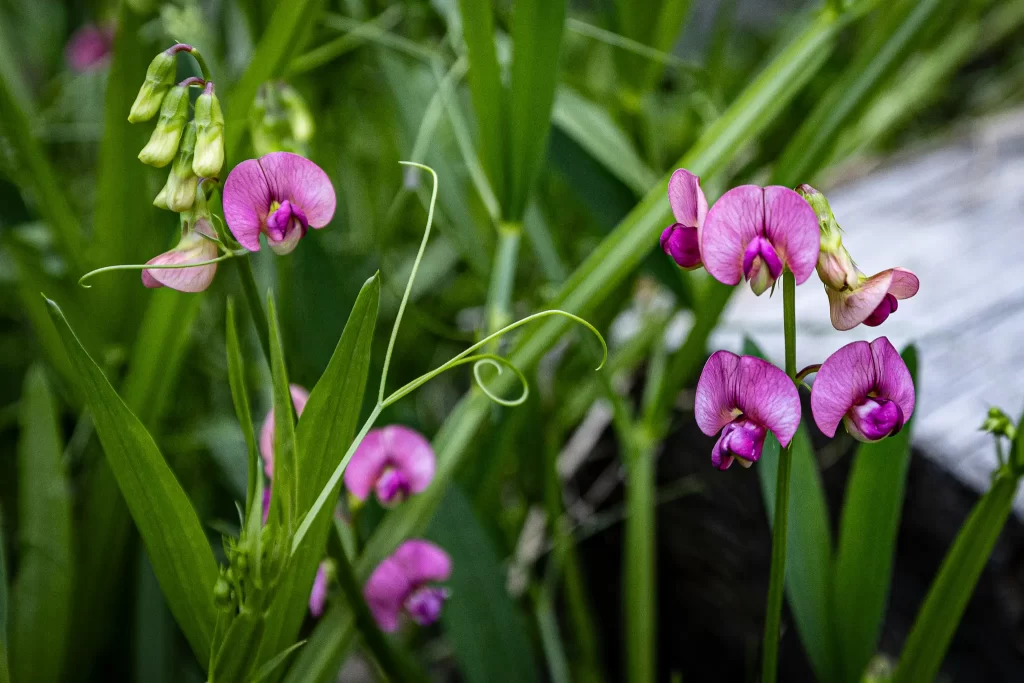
x,y
163,143
160,201
182,182
159,79
209,156
835,265
300,119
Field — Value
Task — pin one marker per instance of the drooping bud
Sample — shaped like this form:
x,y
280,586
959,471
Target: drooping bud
x,y
300,119
209,154
180,190
163,143
682,243
874,418
835,266
159,79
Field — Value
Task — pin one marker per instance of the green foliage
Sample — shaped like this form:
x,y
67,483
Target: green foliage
x,y
40,605
177,546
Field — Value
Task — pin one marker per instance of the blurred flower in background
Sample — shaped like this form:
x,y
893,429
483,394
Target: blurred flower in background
x,y
89,47
404,583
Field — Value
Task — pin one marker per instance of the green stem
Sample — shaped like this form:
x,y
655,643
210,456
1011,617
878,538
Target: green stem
x,y
777,580
201,61
503,276
256,310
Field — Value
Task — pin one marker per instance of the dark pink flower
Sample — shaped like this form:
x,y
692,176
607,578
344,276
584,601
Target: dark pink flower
x,y
280,195
872,300
744,397
394,461
192,248
754,232
867,387
299,398
318,596
681,240
404,583
89,47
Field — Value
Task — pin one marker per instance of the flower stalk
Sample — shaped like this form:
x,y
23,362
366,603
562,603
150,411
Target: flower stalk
x,y
777,580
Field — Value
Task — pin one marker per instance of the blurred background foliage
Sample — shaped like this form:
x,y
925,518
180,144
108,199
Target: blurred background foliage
x,y
737,90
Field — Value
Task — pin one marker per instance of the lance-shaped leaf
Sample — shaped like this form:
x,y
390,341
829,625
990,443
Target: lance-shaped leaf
x,y
174,538
41,598
284,502
324,433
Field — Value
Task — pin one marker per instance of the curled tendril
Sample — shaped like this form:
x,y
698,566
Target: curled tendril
x,y
468,356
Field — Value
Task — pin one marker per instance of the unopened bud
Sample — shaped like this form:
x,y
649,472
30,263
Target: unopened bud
x,y
998,423
209,154
222,593
160,201
835,265
159,79
180,190
163,143
299,117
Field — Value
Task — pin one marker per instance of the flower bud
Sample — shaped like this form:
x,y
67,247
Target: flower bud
x,y
999,423
180,190
163,143
300,120
836,268
209,154
159,79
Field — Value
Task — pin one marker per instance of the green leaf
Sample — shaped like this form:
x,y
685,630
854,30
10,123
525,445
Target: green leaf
x,y
639,566
486,91
811,146
612,261
237,655
282,41
328,425
938,619
271,666
809,548
170,529
321,659
594,130
41,598
5,671
867,541
286,454
487,633
536,41
240,398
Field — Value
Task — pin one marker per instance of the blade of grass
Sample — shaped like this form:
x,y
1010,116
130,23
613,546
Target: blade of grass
x,y
536,42
41,602
486,91
240,398
867,541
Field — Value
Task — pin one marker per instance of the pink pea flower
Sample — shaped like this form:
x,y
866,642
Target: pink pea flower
x,y
744,397
754,232
867,387
681,240
404,583
318,596
299,398
192,248
395,461
280,195
89,47
872,300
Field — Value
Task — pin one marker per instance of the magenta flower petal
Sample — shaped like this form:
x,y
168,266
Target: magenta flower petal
x,y
246,202
299,397
193,248
415,564
851,307
298,180
792,227
689,205
318,595
856,372
731,386
731,224
386,456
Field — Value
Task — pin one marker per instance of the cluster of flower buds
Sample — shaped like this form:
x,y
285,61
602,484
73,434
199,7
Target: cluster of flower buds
x,y
394,462
755,233
280,120
195,147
